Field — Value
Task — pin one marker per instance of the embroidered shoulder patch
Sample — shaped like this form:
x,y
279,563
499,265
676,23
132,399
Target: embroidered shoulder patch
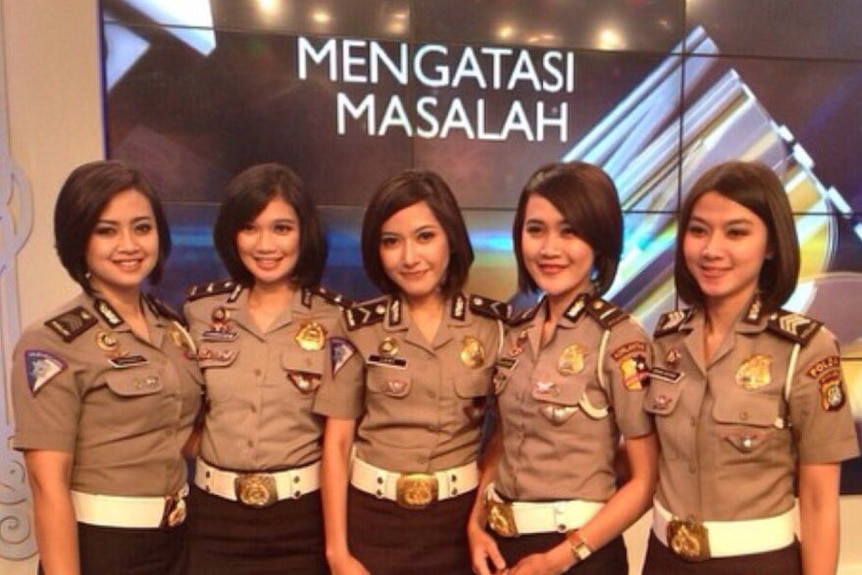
x,y
73,323
42,367
340,351
827,372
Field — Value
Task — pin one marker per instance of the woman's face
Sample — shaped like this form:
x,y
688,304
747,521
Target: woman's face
x,y
725,245
557,259
124,245
414,251
268,246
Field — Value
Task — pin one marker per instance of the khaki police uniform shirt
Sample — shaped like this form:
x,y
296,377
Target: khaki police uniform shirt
x,y
729,439
83,383
561,425
421,404
261,385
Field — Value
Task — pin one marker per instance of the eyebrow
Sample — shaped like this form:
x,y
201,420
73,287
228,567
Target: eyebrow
x,y
738,221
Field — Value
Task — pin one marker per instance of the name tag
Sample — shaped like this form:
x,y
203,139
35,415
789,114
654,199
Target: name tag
x,y
387,361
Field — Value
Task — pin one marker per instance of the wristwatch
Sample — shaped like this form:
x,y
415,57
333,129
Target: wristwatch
x,y
579,547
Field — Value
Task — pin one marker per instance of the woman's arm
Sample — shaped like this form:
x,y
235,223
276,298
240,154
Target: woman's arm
x,y
621,511
483,548
56,528
337,442
818,517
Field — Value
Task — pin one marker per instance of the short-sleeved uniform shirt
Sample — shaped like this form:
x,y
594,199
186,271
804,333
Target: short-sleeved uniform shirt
x,y
261,385
421,403
85,384
733,429
564,406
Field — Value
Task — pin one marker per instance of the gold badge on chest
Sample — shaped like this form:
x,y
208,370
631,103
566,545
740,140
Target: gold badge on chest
x,y
388,347
472,352
311,336
571,361
754,372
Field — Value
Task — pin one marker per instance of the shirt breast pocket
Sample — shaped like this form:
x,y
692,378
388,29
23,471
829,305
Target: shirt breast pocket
x,y
473,388
134,402
388,381
748,423
559,401
304,369
662,400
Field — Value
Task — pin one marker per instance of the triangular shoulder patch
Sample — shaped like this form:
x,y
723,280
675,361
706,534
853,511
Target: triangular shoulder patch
x,y
607,314
72,323
365,313
671,321
793,326
213,288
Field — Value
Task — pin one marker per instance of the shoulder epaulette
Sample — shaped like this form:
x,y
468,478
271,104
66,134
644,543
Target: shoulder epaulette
x,y
214,288
671,321
491,308
607,314
72,323
330,296
793,326
161,309
525,315
365,313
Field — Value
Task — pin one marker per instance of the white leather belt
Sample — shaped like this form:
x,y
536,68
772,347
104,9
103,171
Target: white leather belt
x,y
414,490
257,489
130,512
525,517
722,538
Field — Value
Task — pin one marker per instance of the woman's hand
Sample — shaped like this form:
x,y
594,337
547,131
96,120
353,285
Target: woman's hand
x,y
347,565
555,561
484,551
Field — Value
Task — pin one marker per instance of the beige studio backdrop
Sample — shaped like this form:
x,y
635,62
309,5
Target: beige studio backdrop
x,y
51,121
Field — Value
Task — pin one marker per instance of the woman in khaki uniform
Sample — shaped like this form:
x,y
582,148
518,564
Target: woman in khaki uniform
x,y
570,383
409,391
106,390
263,340
748,399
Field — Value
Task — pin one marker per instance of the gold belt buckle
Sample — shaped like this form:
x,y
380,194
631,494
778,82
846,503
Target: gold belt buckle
x,y
688,539
501,517
416,490
175,511
256,489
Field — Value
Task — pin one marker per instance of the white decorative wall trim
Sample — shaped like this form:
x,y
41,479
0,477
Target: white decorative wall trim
x,y
17,539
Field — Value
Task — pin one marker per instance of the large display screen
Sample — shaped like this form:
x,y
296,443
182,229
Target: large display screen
x,y
347,93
